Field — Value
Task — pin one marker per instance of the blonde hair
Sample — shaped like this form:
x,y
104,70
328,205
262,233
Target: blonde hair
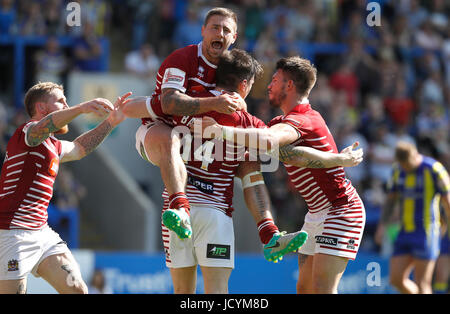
x,y
39,92
404,150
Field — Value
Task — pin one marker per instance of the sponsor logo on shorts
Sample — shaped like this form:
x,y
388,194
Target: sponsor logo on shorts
x,y
13,265
351,244
218,251
326,240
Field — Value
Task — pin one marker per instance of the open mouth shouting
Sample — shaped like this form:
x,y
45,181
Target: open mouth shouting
x,y
217,45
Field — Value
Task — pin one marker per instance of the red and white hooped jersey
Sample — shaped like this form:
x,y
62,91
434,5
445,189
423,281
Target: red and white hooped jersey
x,y
187,70
26,182
211,164
322,189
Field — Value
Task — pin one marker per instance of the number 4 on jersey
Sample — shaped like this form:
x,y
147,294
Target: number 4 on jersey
x,y
203,153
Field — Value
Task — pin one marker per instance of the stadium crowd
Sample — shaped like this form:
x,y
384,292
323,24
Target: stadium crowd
x,y
376,84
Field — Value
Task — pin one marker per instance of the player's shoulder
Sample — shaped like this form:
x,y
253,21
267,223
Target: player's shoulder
x,y
187,52
246,119
433,164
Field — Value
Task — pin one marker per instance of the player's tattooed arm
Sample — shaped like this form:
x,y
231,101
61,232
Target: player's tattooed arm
x,y
176,103
40,131
255,191
308,157
86,143
296,156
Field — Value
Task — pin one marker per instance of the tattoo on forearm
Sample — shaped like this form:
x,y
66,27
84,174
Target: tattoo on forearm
x,y
179,106
317,164
288,154
93,138
261,199
40,131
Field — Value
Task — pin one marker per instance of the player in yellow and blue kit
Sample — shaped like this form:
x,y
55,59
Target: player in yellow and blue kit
x,y
419,184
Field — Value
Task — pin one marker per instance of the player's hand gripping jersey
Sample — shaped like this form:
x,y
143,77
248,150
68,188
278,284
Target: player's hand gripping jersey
x,y
26,183
187,70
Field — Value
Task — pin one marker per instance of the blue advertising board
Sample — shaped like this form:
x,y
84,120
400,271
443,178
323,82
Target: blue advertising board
x,y
142,273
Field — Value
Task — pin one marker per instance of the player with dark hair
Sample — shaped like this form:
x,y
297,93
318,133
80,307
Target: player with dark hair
x,y
336,217
192,68
33,155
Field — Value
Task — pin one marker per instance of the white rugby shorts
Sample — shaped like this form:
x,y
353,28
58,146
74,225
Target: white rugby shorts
x,y
337,231
211,244
21,251
140,140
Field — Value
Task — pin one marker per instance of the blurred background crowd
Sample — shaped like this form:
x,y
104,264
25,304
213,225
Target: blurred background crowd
x,y
376,84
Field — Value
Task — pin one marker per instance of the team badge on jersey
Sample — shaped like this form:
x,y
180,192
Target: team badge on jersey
x,y
13,265
174,76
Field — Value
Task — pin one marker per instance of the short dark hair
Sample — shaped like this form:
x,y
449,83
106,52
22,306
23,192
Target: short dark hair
x,y
299,70
235,66
37,93
222,12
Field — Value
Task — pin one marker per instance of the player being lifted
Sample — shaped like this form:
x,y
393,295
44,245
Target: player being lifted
x,y
336,217
211,168
27,243
185,71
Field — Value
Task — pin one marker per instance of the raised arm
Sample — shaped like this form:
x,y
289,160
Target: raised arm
x,y
308,157
41,130
276,142
90,140
174,102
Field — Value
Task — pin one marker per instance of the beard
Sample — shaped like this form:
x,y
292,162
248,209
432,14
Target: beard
x,y
278,99
63,130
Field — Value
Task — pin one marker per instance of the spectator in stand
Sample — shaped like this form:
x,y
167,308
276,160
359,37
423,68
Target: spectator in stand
x,y
51,63
88,50
345,79
33,23
143,62
427,38
7,16
52,16
189,30
400,106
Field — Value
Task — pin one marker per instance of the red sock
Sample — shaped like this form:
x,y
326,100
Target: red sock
x,y
266,229
178,200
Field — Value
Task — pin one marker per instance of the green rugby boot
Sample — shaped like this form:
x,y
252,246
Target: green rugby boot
x,y
283,243
178,221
